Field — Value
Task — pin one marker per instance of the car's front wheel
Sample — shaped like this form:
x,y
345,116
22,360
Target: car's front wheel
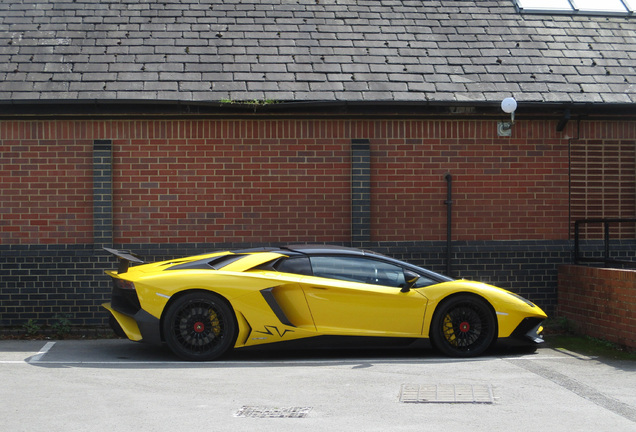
x,y
199,326
463,326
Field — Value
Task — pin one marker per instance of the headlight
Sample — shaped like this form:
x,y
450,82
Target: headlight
x,y
526,301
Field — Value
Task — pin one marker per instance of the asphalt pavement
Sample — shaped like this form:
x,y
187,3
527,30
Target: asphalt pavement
x,y
99,385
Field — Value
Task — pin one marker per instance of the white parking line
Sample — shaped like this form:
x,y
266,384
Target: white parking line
x,y
41,358
37,359
45,349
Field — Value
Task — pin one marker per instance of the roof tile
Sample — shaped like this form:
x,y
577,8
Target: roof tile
x,y
394,50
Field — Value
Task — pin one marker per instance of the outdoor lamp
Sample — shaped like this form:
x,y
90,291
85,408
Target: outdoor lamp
x,y
508,105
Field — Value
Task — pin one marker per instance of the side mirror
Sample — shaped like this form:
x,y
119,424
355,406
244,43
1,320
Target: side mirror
x,y
411,278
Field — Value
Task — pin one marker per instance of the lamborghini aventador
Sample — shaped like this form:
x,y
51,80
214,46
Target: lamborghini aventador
x,y
202,306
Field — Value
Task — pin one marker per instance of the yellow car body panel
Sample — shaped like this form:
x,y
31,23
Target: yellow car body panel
x,y
261,325
273,306
350,308
155,284
509,309
128,324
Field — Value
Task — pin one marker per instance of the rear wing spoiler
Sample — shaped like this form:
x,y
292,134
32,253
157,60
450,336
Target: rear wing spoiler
x,y
125,258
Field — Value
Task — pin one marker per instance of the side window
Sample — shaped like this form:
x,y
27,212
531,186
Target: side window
x,y
354,269
423,281
295,265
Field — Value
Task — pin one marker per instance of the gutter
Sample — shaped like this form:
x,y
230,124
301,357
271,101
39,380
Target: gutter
x,y
62,108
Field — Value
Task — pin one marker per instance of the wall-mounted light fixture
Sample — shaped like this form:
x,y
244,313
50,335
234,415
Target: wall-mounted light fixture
x,y
508,105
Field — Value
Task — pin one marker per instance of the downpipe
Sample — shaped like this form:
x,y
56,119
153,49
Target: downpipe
x,y
449,219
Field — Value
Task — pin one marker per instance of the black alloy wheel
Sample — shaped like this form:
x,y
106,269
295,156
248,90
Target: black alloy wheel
x,y
463,326
199,326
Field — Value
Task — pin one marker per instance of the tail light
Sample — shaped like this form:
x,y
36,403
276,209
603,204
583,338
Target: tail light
x,y
124,284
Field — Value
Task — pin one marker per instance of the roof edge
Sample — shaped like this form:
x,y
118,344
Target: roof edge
x,y
61,108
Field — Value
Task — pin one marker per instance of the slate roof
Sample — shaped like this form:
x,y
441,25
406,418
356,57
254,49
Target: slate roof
x,y
310,50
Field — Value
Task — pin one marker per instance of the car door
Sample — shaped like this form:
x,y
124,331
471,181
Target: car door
x,y
351,295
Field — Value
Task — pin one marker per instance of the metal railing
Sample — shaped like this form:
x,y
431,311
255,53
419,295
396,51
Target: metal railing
x,y
606,259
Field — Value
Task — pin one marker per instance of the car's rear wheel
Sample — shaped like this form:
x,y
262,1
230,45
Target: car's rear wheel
x,y
199,326
463,326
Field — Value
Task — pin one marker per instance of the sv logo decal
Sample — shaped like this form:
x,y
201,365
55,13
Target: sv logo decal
x,y
268,331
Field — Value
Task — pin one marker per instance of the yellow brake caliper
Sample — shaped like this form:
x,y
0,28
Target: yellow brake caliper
x,y
449,332
215,323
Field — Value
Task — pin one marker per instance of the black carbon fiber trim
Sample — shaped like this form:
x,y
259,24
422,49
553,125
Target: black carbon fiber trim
x,y
525,328
273,304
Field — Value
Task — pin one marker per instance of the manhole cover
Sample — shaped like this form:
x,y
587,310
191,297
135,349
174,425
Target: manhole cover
x,y
446,393
272,412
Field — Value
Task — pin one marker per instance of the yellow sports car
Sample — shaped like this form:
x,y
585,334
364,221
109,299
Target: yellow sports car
x,y
202,306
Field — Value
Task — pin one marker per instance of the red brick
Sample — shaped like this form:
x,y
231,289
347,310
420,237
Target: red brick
x,y
499,183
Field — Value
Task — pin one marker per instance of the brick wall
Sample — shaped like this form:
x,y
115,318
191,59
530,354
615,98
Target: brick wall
x,y
184,181
600,302
187,186
225,188
46,187
41,281
602,177
504,189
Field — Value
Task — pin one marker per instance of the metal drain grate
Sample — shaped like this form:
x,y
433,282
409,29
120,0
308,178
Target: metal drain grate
x,y
272,412
440,393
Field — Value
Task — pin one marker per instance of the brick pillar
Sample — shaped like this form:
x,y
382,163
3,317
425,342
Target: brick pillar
x,y
102,193
360,192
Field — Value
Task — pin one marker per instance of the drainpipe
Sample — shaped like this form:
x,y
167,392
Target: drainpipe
x,y
449,218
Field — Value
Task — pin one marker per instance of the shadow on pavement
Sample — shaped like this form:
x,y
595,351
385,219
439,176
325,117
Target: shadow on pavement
x,y
122,353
